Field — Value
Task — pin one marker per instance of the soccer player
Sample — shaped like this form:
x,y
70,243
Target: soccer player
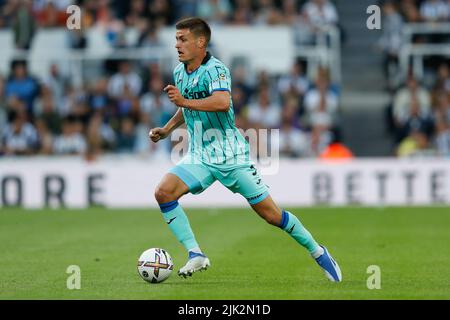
x,y
217,150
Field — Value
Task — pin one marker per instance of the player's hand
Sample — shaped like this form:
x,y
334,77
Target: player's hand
x,y
174,95
157,134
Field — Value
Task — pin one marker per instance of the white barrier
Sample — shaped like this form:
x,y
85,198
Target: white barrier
x,y
270,48
127,182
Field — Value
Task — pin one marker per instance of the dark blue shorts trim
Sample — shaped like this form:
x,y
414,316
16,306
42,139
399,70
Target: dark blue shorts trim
x,y
258,198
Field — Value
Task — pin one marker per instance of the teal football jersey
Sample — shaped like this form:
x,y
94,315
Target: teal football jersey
x,y
213,136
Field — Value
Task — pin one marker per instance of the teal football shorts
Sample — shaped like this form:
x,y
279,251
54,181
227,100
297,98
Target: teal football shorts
x,y
243,178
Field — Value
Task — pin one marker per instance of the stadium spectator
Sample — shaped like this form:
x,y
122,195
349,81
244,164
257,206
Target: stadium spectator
x,y
442,82
7,13
264,113
441,108
149,38
241,92
24,25
51,14
19,137
100,134
72,97
320,14
293,140
14,104
70,141
410,11
111,26
142,145
45,138
241,82
416,144
263,80
239,105
155,104
126,139
434,11
267,13
161,12
410,100
45,111
127,105
98,98
416,121
391,39
22,86
99,11
76,104
291,110
59,5
3,103
216,11
243,13
57,84
186,8
318,140
321,103
137,15
124,78
290,12
152,70
295,83
442,137
77,39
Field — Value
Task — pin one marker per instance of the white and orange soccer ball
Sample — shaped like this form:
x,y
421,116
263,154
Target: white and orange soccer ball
x,y
155,265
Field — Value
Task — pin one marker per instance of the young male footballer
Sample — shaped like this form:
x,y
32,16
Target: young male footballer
x,y
217,150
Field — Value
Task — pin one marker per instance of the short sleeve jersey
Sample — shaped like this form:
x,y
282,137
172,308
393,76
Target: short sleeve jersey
x,y
213,136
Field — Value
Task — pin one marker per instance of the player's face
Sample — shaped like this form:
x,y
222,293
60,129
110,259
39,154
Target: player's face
x,y
187,45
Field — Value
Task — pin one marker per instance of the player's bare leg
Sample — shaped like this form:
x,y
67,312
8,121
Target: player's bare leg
x,y
170,188
167,193
269,211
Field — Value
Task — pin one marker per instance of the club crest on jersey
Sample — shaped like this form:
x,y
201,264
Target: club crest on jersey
x,y
222,76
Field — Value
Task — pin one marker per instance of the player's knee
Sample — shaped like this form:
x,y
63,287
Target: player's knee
x,y
164,195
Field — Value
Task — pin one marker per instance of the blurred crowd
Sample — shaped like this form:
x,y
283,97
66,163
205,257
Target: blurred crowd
x,y
50,115
112,113
418,116
307,17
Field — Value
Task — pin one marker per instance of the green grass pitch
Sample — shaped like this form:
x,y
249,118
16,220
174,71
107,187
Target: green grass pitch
x,y
250,259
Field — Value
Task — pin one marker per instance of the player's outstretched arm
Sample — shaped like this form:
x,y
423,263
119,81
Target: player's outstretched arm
x,y
157,134
219,101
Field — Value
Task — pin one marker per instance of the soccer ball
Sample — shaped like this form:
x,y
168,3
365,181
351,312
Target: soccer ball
x,y
155,265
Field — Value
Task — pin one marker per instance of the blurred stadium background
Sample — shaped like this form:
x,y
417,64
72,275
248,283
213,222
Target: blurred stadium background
x,y
310,68
76,107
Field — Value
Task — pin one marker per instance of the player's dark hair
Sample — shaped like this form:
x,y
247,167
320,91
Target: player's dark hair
x,y
197,26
